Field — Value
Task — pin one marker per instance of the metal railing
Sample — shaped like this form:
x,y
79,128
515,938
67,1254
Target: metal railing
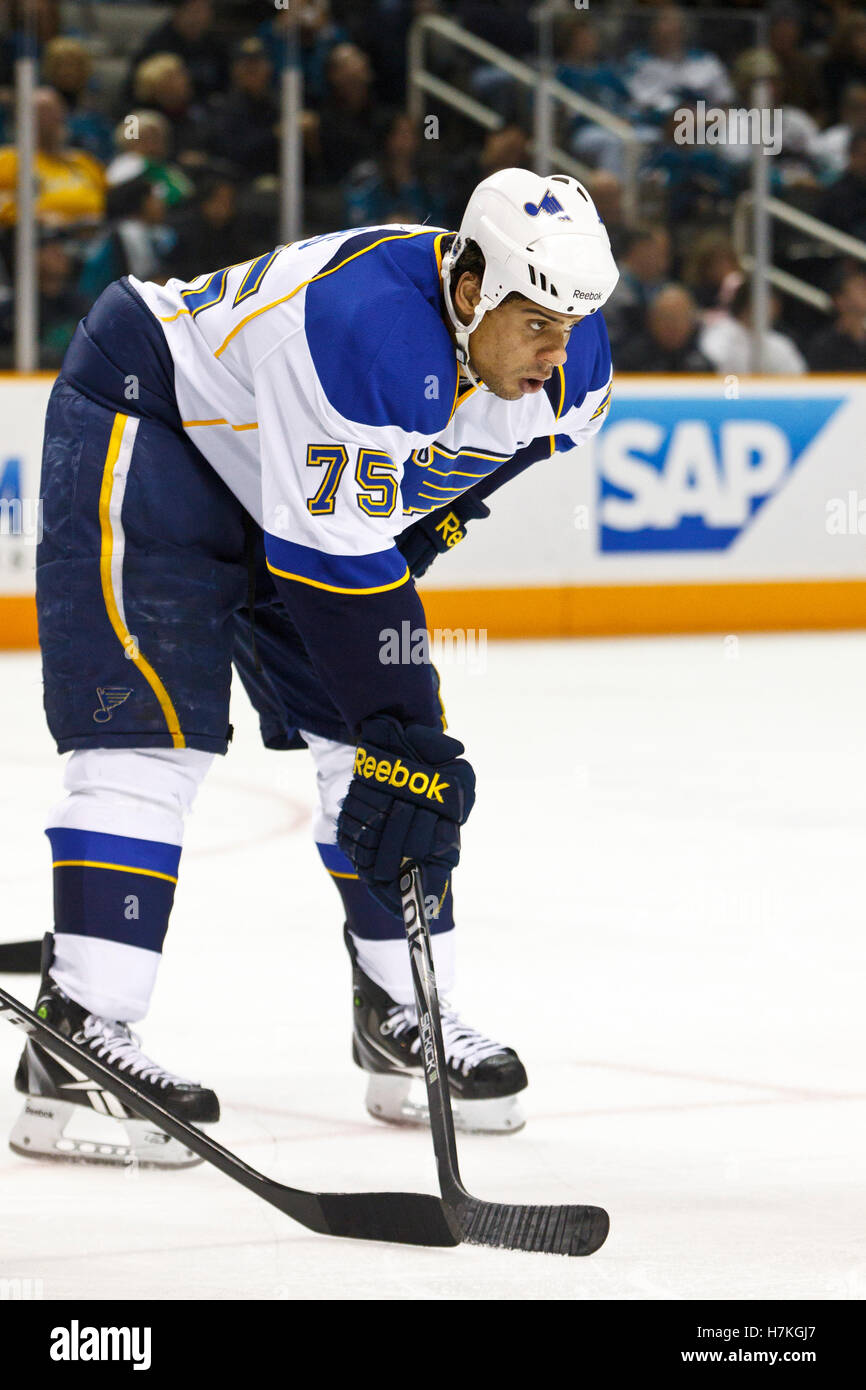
x,y
804,222
548,93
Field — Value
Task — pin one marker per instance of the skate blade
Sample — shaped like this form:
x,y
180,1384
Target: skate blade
x,y
402,1100
64,1132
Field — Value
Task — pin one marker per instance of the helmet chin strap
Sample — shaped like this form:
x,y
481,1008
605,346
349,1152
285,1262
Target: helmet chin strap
x,y
463,330
462,335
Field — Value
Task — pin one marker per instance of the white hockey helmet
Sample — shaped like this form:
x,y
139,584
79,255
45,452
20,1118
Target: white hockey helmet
x,y
540,236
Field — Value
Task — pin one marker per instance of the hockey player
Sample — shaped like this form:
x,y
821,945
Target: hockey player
x,y
250,468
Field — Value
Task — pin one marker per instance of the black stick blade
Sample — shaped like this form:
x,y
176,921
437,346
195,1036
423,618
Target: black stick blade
x,y
547,1230
20,957
407,1218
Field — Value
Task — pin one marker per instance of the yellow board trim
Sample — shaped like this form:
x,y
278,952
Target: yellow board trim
x,y
105,555
336,874
602,610
335,588
120,868
623,610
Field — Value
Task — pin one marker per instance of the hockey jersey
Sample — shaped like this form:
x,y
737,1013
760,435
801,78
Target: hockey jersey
x,y
321,383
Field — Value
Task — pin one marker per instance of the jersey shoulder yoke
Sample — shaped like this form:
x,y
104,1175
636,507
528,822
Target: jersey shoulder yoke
x,y
376,335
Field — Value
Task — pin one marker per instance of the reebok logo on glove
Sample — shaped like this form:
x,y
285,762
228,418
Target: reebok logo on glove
x,y
397,774
450,529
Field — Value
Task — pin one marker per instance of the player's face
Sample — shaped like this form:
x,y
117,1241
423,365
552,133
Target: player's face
x,y
518,346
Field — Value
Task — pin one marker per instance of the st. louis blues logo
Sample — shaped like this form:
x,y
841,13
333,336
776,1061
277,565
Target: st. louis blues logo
x,y
549,203
110,696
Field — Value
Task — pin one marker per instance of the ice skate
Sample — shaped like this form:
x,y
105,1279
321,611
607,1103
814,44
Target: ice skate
x,y
485,1077
66,1116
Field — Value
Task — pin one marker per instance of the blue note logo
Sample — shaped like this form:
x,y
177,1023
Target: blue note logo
x,y
693,473
109,696
549,203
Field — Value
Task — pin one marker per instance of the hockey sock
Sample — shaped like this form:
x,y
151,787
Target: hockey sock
x,y
113,896
116,845
380,938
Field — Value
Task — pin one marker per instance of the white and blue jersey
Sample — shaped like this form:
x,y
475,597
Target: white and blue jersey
x,y
321,382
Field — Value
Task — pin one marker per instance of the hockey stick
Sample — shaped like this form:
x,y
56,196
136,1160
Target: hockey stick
x,y
407,1218
574,1230
20,957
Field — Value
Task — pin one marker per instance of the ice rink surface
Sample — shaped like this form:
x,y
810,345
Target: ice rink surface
x,y
660,904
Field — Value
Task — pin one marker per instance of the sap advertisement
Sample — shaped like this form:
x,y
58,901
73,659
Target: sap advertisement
x,y
22,411
689,480
693,474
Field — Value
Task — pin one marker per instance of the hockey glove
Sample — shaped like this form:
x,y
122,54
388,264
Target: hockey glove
x,y
437,532
409,794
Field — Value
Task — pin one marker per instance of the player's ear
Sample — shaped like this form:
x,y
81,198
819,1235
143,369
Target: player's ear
x,y
467,294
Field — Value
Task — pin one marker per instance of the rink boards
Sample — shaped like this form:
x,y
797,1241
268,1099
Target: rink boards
x,y
705,504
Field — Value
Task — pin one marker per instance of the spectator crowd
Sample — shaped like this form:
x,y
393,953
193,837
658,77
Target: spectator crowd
x,y
158,150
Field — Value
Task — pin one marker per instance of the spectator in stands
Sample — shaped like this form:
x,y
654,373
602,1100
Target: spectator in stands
x,y
843,204
728,340
691,179
644,267
830,147
351,126
142,140
70,185
670,342
211,232
243,124
607,194
393,189
794,130
67,66
801,80
845,61
600,80
381,28
842,347
188,33
136,241
163,83
712,271
671,73
507,148
820,21
317,35
60,303
41,17
505,23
